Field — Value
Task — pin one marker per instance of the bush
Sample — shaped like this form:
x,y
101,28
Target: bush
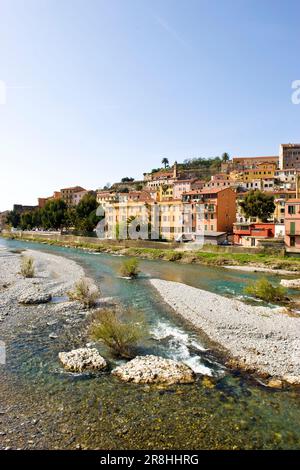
x,y
27,266
120,337
129,268
173,256
85,292
263,289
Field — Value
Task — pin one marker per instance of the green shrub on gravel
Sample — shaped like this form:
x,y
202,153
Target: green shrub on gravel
x,y
129,268
85,292
119,336
264,290
27,266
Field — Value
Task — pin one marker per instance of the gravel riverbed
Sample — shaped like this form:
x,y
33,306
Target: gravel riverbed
x,y
45,407
260,339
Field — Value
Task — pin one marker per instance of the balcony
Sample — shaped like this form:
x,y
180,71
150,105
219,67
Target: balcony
x,y
290,232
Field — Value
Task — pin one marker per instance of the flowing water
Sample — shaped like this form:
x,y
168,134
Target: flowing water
x,y
96,411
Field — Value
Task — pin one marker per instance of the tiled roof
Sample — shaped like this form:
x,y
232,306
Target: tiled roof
x,y
73,188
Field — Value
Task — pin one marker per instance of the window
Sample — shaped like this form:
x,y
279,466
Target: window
x,y
292,228
292,210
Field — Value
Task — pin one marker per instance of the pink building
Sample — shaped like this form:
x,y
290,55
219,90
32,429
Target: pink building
x,y
184,186
292,225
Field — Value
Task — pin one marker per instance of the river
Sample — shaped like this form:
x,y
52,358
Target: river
x,y
96,411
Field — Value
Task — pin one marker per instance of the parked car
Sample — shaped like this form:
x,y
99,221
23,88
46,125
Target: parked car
x,y
225,243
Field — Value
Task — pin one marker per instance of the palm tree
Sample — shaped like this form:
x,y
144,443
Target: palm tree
x,y
165,162
225,157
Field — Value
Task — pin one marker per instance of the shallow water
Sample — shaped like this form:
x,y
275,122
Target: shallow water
x,y
97,411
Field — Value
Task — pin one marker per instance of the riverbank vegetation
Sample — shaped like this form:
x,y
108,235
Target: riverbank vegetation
x,y
264,290
56,215
210,255
120,336
85,292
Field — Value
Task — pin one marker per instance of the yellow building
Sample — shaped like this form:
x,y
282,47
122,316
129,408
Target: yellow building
x,y
165,218
170,219
165,192
262,171
280,200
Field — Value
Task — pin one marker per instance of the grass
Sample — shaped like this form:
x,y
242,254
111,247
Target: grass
x,y
264,290
119,336
85,292
129,268
27,267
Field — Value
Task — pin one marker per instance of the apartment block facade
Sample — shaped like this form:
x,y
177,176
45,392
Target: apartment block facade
x,y
214,209
292,225
289,156
72,196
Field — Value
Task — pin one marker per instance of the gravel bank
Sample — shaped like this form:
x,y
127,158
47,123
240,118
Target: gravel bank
x,y
257,269
258,339
54,275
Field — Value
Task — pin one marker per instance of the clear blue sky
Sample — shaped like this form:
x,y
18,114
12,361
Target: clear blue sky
x,y
100,89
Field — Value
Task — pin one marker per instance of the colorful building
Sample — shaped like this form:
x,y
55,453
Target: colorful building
x,y
289,156
72,196
261,171
165,192
182,186
214,209
247,163
42,200
292,225
251,234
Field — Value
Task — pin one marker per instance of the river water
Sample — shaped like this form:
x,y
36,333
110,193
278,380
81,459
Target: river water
x,y
60,410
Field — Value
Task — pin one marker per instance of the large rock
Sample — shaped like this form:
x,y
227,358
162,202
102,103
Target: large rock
x,y
82,359
291,283
154,370
291,379
34,297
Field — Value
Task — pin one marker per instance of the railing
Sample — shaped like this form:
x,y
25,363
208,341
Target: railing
x,y
288,231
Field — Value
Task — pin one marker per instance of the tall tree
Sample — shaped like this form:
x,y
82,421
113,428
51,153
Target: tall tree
x,y
225,157
165,162
258,204
127,179
53,215
27,221
13,219
86,218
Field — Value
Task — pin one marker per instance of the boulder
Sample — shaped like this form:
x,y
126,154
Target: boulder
x,y
154,370
291,379
290,283
34,297
275,383
79,360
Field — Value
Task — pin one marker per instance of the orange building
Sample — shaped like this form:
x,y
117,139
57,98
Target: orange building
x,y
42,200
215,209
